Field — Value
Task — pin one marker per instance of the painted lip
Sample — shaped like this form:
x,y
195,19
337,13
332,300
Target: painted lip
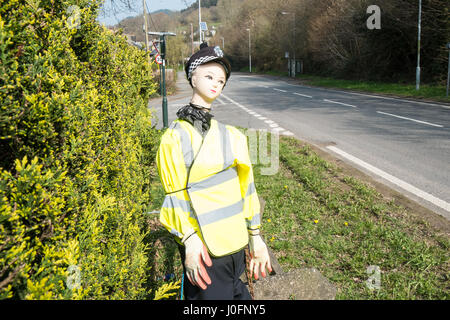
x,y
214,91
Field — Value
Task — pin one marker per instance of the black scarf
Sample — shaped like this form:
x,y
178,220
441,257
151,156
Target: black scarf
x,y
193,114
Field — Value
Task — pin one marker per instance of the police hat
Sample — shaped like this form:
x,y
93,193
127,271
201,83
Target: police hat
x,y
204,55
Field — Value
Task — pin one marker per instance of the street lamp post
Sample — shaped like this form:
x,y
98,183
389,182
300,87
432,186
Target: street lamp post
x,y
162,42
295,61
249,51
199,20
223,43
418,47
448,68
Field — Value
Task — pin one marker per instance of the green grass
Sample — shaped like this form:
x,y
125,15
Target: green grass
x,y
316,216
323,219
426,91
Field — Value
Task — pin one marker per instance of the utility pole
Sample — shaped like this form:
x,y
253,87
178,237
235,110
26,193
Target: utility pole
x,y
192,39
448,69
249,51
295,61
293,70
418,47
199,21
146,31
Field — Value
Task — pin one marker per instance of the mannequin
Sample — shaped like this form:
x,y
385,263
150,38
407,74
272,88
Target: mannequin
x,y
208,81
213,212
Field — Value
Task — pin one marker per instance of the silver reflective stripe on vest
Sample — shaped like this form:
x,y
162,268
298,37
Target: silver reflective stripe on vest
x,y
228,157
172,202
256,220
214,180
186,145
176,233
220,214
251,189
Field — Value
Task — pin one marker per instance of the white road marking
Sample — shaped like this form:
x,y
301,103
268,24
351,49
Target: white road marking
x,y
262,118
410,119
402,184
368,95
271,123
396,99
303,95
344,104
232,101
220,101
279,90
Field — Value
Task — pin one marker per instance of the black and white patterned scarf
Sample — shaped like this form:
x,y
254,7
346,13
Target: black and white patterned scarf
x,y
192,113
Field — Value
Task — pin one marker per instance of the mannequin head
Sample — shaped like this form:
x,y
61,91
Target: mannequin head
x,y
207,82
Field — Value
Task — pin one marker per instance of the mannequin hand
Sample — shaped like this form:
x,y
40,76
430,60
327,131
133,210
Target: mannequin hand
x,y
259,256
196,254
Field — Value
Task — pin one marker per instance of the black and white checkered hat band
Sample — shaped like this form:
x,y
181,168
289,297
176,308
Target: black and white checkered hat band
x,y
198,62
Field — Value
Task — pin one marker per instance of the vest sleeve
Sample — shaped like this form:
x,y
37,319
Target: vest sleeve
x,y
246,180
175,210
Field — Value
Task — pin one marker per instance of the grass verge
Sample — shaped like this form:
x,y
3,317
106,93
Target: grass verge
x,y
426,91
317,216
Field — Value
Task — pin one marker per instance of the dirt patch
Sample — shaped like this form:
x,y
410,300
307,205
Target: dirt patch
x,y
297,284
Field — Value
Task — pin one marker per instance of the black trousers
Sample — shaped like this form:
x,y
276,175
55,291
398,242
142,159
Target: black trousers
x,y
225,275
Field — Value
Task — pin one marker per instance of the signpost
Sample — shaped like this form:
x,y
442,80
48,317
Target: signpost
x,y
158,59
162,57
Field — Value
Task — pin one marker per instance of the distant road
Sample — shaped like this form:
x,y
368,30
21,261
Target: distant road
x,y
405,144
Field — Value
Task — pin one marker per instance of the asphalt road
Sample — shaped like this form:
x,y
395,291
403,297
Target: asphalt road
x,y
403,143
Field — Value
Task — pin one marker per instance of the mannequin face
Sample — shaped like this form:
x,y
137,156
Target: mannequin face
x,y
208,81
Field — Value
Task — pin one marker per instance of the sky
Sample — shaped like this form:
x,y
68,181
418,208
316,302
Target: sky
x,y
110,17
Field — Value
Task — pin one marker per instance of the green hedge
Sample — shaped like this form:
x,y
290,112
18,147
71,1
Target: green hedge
x,y
77,144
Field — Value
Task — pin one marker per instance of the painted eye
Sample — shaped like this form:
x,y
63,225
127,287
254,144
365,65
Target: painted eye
x,y
209,77
221,82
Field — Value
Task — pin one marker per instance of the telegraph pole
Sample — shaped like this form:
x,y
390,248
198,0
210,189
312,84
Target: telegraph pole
x,y
146,31
199,21
249,51
192,39
448,69
418,47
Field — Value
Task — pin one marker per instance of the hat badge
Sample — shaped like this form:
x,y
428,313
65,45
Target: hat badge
x,y
218,51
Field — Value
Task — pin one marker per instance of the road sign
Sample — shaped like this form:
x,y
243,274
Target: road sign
x,y
203,26
158,59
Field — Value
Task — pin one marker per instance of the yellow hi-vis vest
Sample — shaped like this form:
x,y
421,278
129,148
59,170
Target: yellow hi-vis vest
x,y
209,186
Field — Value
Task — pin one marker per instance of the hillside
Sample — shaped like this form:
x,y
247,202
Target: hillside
x,y
331,37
